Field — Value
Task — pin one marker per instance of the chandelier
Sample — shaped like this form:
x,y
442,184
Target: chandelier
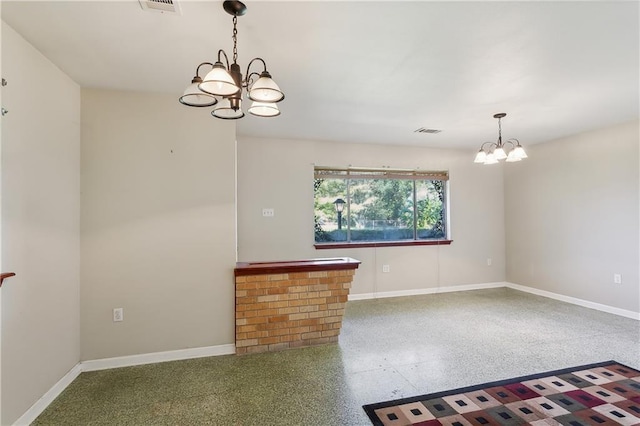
x,y
225,81
492,152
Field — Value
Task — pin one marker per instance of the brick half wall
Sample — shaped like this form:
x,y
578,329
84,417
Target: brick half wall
x,y
276,311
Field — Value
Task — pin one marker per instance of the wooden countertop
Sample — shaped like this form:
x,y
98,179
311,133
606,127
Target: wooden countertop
x,y
6,275
288,266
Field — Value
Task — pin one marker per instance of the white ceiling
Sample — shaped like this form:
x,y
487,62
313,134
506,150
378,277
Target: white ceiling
x,y
370,72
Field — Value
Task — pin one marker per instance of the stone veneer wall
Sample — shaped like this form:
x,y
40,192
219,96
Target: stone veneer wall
x,y
280,311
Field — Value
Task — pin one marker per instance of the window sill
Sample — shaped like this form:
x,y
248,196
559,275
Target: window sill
x,y
323,246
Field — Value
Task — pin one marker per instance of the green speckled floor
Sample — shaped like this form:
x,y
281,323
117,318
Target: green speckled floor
x,y
388,349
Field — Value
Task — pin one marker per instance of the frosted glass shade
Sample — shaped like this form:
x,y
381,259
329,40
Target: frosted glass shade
x,y
265,90
499,154
264,109
197,98
481,156
512,157
223,110
491,159
219,82
519,152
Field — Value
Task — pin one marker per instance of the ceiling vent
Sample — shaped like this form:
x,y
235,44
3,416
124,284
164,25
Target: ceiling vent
x,y
423,130
162,6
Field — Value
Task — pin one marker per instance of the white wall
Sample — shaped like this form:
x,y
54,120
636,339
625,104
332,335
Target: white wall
x,y
158,225
572,213
40,223
279,174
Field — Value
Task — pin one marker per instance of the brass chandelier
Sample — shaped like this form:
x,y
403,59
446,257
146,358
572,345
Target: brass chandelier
x,y
226,82
493,152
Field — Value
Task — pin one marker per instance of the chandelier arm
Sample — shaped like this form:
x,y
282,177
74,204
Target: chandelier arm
x,y
514,139
198,69
264,64
249,79
225,57
490,143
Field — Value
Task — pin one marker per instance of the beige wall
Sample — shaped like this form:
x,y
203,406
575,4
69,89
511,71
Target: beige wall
x,y
158,225
572,212
1,268
40,222
279,174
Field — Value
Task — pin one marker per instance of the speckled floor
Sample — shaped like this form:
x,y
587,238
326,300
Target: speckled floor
x,y
388,349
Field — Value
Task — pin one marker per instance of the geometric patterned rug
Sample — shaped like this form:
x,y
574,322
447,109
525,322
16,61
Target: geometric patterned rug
x,y
606,393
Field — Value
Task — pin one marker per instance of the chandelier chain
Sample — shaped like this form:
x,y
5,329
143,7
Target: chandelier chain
x,y
235,39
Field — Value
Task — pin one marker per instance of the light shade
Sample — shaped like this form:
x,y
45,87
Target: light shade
x,y
265,89
219,82
223,110
491,159
512,157
518,151
195,97
499,154
481,157
264,109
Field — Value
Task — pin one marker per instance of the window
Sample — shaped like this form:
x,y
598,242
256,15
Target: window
x,y
356,206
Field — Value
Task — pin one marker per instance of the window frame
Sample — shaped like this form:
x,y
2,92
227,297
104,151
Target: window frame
x,y
357,173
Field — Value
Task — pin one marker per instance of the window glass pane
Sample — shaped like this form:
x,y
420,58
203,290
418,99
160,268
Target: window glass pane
x,y
431,213
377,208
329,223
381,210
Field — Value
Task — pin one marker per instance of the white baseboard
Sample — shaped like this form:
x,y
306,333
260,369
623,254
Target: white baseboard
x,y
30,415
419,291
155,357
576,301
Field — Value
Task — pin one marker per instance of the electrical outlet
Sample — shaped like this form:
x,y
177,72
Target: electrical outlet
x,y
617,279
386,268
268,213
488,261
118,314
